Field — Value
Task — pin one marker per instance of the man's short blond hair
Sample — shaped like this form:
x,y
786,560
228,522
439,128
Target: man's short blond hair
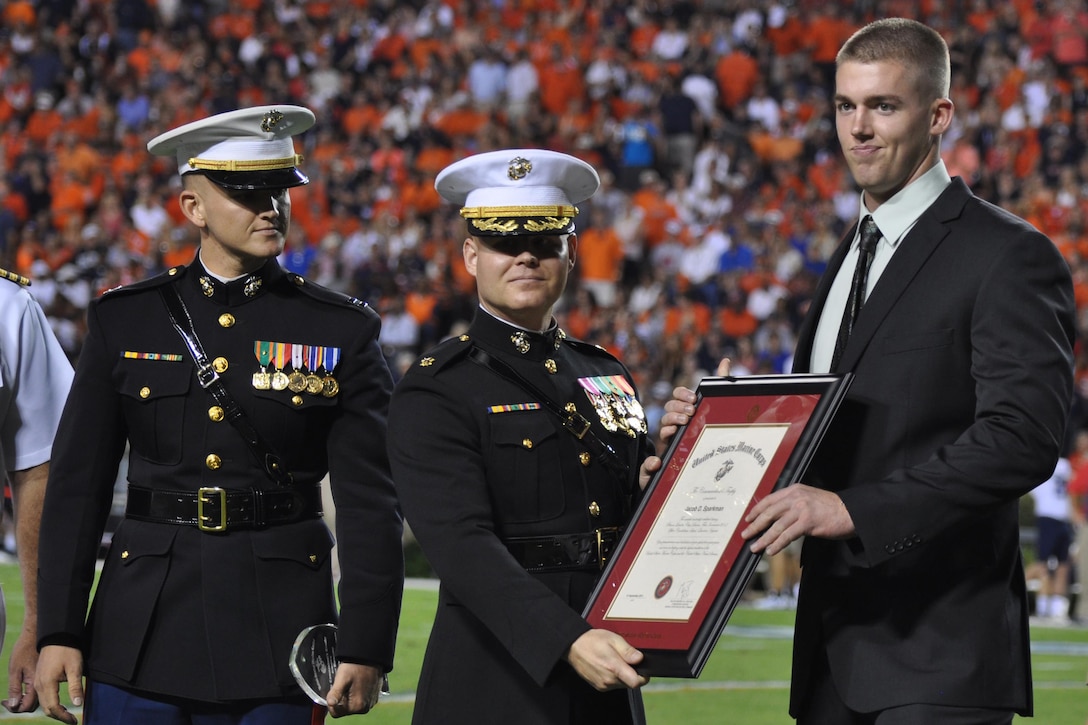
x,y
916,46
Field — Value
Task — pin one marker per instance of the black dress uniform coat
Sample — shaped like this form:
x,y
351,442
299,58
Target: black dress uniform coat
x,y
478,462
203,615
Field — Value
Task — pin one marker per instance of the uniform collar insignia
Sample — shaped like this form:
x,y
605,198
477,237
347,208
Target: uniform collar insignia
x,y
521,341
253,285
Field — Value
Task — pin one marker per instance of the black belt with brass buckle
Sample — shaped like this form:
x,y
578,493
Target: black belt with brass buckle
x,y
565,552
220,509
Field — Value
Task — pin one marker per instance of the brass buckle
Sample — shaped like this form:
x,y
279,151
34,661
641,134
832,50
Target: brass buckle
x,y
577,425
601,558
208,494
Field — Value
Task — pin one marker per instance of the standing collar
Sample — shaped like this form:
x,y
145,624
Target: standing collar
x,y
501,336
236,291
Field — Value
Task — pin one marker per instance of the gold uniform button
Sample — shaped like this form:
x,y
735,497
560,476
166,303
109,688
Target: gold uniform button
x,y
550,366
584,458
296,399
226,320
124,554
215,413
213,462
220,364
527,442
313,558
594,509
145,392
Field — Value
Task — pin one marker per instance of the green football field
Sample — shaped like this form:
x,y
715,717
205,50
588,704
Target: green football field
x,y
746,681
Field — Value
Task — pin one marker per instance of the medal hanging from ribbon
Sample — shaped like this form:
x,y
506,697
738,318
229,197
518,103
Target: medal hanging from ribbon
x,y
637,418
330,386
314,359
296,381
599,399
279,360
262,379
614,400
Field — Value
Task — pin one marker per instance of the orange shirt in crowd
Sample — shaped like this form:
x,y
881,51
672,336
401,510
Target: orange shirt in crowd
x,y
736,74
826,33
420,305
737,323
42,125
419,194
656,210
600,254
19,11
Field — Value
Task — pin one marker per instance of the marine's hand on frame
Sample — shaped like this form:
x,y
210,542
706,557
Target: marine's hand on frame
x,y
605,660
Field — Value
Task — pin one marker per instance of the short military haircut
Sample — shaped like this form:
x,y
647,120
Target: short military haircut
x,y
916,46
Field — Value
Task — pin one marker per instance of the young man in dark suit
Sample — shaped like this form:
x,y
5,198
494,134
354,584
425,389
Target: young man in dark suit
x,y
912,606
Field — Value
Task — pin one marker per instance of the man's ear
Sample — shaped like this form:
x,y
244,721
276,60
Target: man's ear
x,y
572,249
192,206
470,251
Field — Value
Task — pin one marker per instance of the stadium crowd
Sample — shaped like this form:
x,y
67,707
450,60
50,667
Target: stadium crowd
x,y
710,122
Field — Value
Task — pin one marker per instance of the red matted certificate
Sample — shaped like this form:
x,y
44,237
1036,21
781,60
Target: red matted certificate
x,y
682,566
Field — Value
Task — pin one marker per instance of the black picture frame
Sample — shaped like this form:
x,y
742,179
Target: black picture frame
x,y
760,433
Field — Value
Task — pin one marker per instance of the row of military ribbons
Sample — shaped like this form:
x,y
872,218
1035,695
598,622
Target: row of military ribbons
x,y
284,366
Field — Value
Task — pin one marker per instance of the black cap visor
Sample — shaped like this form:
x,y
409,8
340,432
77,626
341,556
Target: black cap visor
x,y
252,180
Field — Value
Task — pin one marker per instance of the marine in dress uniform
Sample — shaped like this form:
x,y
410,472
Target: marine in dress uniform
x,y
516,452
34,379
222,560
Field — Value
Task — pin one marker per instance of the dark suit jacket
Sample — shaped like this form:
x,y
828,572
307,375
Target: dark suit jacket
x,y
477,460
962,357
213,616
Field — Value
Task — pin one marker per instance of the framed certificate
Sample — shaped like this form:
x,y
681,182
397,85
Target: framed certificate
x,y
681,566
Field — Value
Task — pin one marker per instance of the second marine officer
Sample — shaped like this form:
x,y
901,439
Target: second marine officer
x,y
516,453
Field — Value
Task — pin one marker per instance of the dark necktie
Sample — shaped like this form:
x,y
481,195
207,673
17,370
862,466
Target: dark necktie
x,y
870,235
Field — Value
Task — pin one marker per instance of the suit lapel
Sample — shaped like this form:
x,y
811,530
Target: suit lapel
x,y
802,356
908,260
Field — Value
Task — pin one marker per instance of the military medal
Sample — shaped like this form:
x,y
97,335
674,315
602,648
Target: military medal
x,y
279,359
600,403
314,384
296,381
636,418
332,358
262,380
